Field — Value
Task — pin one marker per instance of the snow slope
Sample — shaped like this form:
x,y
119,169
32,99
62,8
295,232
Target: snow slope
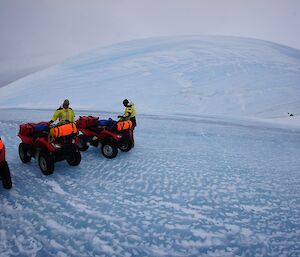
x,y
187,75
194,185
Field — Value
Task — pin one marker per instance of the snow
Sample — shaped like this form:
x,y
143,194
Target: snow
x,y
196,184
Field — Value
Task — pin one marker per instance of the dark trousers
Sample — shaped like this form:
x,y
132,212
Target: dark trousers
x,y
133,120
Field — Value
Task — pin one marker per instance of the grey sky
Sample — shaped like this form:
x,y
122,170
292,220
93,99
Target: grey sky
x,y
38,33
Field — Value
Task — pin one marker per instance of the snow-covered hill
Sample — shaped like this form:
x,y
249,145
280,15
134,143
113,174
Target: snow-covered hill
x,y
37,34
187,75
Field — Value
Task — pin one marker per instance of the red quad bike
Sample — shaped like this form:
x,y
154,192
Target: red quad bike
x,y
106,133
49,145
4,169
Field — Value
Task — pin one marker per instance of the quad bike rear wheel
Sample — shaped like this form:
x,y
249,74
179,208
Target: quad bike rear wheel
x,y
46,163
126,147
24,153
109,150
5,175
127,142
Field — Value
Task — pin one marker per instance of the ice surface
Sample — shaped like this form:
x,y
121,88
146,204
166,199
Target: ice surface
x,y
190,187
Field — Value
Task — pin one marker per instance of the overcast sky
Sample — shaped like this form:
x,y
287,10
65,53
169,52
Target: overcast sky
x,y
38,33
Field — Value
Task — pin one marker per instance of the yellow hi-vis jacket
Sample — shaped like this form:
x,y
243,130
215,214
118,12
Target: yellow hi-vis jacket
x,y
129,111
64,115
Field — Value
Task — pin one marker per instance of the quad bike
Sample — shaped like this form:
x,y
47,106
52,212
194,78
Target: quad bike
x,y
111,135
49,145
4,169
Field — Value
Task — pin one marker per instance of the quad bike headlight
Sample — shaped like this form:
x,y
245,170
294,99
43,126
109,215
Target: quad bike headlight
x,y
56,145
119,136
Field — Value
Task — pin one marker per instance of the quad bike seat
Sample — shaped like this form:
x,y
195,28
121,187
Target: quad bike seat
x,y
96,129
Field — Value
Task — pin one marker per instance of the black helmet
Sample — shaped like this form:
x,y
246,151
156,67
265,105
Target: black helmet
x,y
125,102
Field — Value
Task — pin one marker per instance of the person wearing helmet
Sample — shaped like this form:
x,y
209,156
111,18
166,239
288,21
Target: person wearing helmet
x,y
64,113
129,113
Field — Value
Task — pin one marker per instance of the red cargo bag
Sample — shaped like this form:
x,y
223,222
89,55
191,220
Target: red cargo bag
x,y
86,121
26,129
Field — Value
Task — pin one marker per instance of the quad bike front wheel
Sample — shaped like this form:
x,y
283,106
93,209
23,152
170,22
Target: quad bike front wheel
x,y
109,150
75,159
46,163
24,153
5,175
82,144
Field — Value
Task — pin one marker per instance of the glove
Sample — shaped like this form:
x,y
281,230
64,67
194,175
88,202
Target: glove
x,y
120,116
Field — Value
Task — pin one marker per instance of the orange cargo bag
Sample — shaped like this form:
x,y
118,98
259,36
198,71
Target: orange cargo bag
x,y
1,144
123,125
63,130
